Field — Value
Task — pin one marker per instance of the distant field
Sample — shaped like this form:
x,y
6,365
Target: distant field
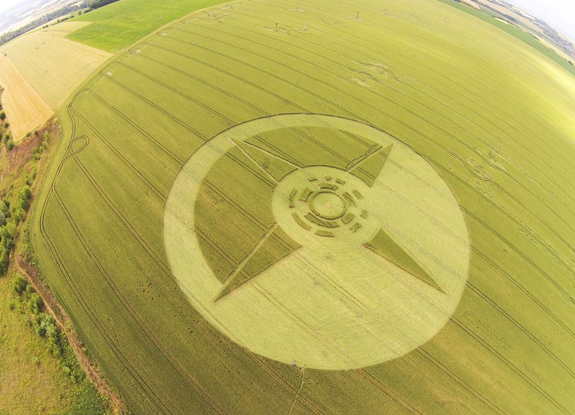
x,y
120,24
438,205
52,64
528,38
40,70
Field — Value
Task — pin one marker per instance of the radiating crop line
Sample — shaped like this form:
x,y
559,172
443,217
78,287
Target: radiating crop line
x,y
122,299
201,81
227,119
511,365
177,91
114,348
533,338
215,112
107,277
231,122
176,365
175,119
118,213
504,240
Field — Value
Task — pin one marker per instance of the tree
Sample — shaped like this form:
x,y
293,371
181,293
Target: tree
x,y
19,284
2,115
25,193
35,303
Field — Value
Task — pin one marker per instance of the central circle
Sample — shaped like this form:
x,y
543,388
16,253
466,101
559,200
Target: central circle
x,y
328,205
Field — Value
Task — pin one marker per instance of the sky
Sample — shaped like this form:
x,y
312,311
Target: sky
x,y
560,14
7,4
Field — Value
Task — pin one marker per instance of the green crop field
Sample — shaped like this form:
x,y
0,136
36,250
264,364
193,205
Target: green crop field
x,y
120,24
331,207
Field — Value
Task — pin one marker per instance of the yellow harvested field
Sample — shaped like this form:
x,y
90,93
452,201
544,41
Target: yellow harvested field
x,y
25,108
53,65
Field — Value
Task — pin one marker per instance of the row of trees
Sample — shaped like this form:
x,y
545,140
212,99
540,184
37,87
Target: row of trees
x,y
10,217
12,212
5,135
45,326
96,4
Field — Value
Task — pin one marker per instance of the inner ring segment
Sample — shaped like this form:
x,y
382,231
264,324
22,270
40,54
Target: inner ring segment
x,y
327,205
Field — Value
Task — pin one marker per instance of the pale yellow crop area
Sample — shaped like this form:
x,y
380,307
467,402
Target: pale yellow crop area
x,y
53,66
330,303
25,108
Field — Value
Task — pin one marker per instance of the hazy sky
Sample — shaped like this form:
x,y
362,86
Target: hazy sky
x,y
6,4
558,13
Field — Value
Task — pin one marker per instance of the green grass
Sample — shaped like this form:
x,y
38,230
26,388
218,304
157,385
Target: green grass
x,y
491,115
118,25
528,38
31,378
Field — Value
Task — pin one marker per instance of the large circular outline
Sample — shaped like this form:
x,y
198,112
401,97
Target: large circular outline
x,y
218,146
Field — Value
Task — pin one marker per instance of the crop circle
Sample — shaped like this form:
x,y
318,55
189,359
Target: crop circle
x,y
327,266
